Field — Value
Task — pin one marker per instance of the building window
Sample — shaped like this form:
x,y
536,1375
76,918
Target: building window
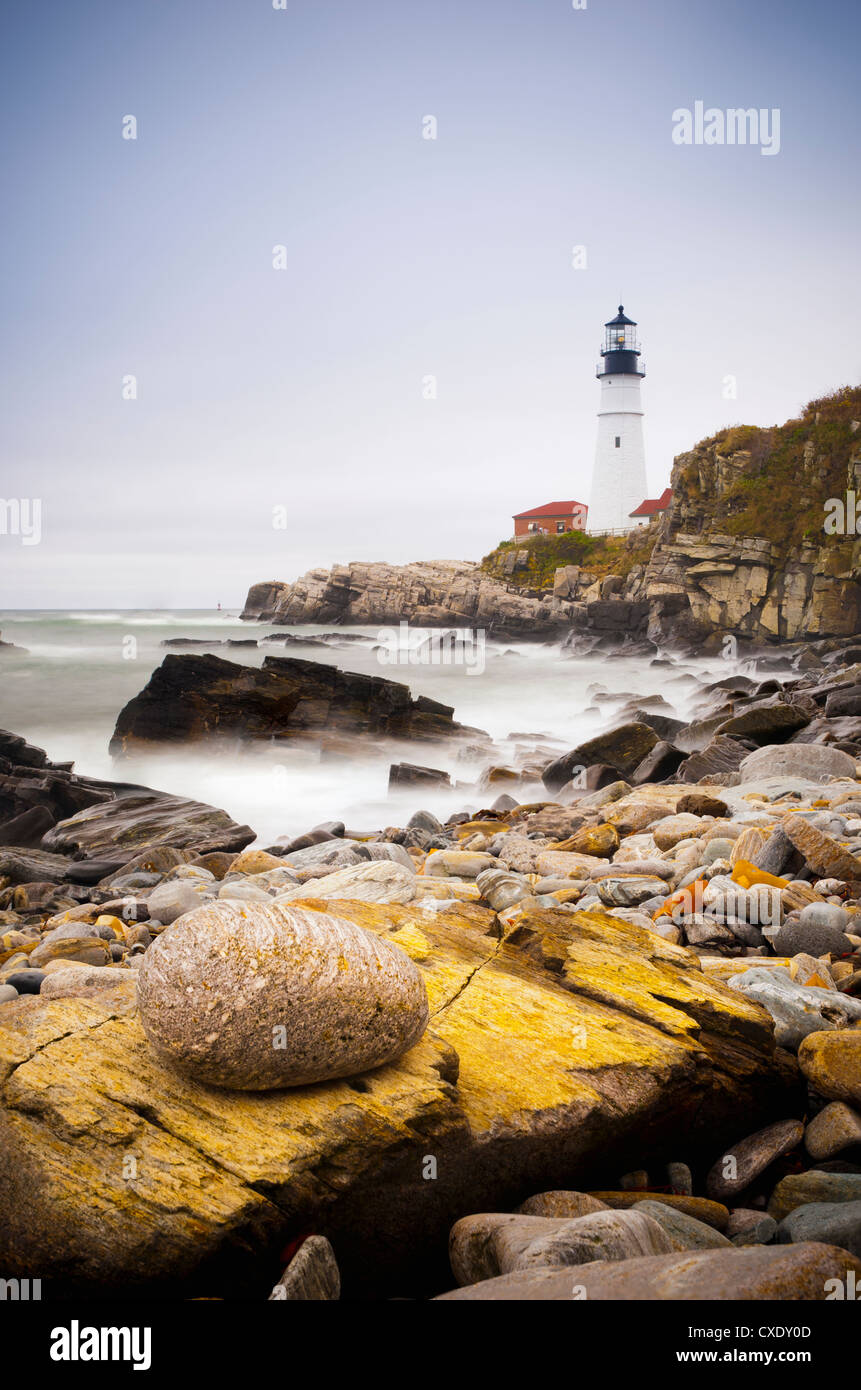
x,y
618,441
533,526
560,527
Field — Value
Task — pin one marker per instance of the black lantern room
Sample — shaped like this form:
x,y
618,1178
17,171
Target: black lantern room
x,y
621,350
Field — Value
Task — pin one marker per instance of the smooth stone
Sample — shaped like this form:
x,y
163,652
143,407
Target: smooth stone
x,y
797,1010
327,998
799,1189
426,820
832,1064
681,1179
833,1223
180,895
488,1244
750,1157
80,979
712,1213
387,849
382,881
757,1229
74,941
26,981
629,890
564,1204
825,915
670,830
501,889
835,1128
458,863
339,853
686,1232
812,760
762,1272
8,993
312,1276
236,890
810,938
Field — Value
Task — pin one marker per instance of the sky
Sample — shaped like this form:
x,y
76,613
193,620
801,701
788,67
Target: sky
x,y
423,365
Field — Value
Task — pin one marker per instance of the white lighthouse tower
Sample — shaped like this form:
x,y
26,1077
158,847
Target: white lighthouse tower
x,y
619,475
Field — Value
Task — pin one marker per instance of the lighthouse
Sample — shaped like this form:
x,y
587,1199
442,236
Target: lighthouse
x,y
619,474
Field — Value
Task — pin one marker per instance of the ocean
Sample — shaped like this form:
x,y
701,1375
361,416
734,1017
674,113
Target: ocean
x,y
83,666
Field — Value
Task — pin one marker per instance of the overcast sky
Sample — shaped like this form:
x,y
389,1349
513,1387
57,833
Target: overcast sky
x,y
406,258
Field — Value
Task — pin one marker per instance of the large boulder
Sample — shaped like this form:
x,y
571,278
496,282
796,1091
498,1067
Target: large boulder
x,y
623,748
576,1046
200,697
271,996
142,820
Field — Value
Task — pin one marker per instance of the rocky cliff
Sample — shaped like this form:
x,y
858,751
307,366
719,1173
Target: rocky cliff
x,y
759,542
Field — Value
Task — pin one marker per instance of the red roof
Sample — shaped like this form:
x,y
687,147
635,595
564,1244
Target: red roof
x,y
654,504
550,509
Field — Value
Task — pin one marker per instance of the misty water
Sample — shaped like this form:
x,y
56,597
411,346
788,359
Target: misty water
x,y
82,667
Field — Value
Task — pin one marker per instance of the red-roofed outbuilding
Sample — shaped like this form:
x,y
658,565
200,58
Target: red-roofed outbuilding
x,y
553,518
652,505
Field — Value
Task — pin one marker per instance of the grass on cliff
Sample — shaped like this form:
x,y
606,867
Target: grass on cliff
x,y
598,555
793,469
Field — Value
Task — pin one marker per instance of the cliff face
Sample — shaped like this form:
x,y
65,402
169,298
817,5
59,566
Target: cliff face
x,y
443,593
743,550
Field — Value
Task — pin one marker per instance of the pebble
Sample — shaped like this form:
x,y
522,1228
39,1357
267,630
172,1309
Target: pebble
x,y
833,1223
740,1164
832,1064
835,1128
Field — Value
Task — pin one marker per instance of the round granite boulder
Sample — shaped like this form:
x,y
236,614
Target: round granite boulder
x,y
255,997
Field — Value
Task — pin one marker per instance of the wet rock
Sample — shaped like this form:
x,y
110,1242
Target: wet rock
x,y
835,1128
812,760
327,998
76,942
80,979
501,889
660,763
822,853
832,1064
701,1208
381,881
458,863
561,1204
832,1223
171,900
412,775
761,1272
485,1245
140,821
797,1010
720,756
736,1169
684,1231
27,981
623,748
701,804
766,723
311,1276
799,1189
811,938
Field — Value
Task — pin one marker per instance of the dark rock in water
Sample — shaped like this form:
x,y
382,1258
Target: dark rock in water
x,y
844,702
94,870
319,836
195,697
26,981
664,726
20,752
426,820
623,748
28,828
660,763
504,803
767,723
597,776
21,865
143,820
721,755
409,775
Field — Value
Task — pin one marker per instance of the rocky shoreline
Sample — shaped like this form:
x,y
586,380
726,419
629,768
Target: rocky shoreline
x,y
600,1029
